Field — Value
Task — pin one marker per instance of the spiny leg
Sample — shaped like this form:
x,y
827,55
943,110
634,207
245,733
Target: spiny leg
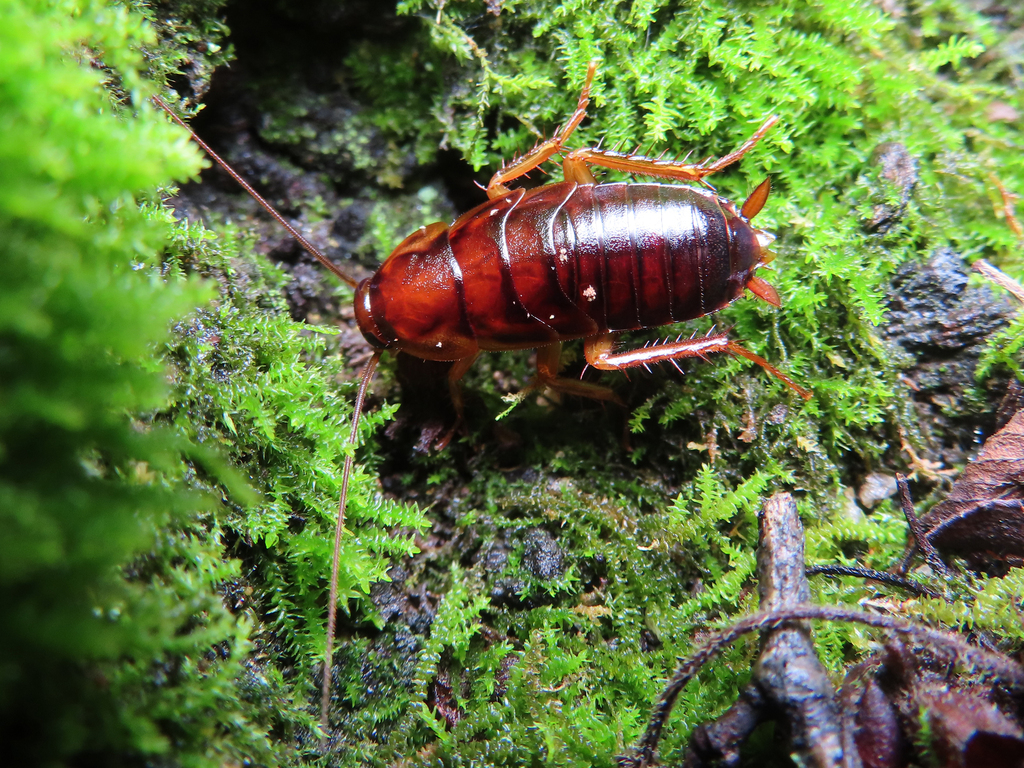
x,y
598,350
576,163
543,151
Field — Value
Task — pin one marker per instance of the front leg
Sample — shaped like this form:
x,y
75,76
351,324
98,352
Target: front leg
x,y
548,363
455,374
600,354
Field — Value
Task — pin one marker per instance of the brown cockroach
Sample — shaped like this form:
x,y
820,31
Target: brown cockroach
x,y
574,259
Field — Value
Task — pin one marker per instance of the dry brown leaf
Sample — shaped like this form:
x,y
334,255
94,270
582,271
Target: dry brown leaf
x,y
965,726
983,517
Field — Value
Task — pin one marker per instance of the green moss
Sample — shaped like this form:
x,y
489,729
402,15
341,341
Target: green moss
x,y
195,606
679,78
110,569
263,388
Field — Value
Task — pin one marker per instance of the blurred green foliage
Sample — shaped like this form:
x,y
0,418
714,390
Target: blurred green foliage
x,y
127,629
161,610
89,483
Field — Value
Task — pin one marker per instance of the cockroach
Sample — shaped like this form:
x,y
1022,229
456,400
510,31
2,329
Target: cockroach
x,y
569,260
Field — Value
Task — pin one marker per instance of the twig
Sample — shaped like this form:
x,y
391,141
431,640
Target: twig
x,y
1000,278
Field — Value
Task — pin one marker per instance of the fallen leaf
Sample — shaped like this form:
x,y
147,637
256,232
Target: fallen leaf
x,y
983,517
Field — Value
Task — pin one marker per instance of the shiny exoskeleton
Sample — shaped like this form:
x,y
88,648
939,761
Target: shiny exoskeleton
x,y
576,259
563,261
573,260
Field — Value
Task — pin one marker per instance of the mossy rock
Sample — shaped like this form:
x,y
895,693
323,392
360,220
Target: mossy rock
x,y
521,596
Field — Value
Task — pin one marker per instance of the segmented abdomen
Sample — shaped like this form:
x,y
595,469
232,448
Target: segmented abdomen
x,y
568,260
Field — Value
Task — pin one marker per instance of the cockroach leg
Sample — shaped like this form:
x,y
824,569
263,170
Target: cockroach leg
x,y
736,349
455,374
598,350
664,169
545,150
749,144
548,364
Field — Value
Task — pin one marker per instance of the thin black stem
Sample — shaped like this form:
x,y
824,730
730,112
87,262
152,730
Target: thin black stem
x,y
931,555
869,573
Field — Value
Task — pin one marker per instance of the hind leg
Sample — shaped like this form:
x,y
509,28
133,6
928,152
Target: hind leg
x,y
455,374
600,354
577,163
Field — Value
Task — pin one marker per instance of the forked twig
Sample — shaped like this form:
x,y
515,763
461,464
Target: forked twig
x,y
644,753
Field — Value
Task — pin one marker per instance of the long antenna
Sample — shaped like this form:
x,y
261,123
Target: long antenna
x,y
364,383
332,604
257,197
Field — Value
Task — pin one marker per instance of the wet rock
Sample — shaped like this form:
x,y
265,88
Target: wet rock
x,y
501,677
944,324
442,699
506,591
877,487
933,312
309,297
399,602
898,169
349,225
543,557
494,557
388,663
